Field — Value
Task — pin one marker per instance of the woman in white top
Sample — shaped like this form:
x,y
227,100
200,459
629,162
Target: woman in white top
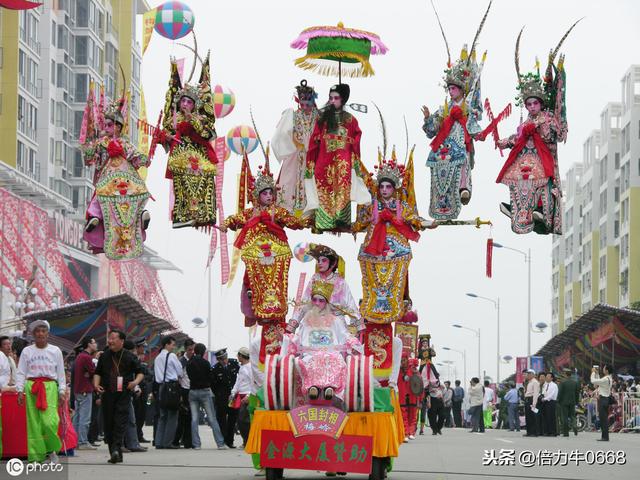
x,y
604,397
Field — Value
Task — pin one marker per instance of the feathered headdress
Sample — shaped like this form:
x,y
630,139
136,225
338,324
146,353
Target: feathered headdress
x,y
200,93
548,88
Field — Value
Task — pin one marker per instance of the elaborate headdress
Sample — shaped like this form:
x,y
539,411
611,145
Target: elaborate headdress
x,y
200,93
324,289
317,251
465,72
97,110
389,170
115,111
263,180
305,93
547,88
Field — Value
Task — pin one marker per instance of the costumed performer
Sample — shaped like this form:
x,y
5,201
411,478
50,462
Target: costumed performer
x,y
452,128
531,170
187,135
116,217
290,143
334,174
322,341
41,385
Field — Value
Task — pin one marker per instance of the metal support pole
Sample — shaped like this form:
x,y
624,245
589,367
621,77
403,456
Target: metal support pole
x,y
479,377
529,307
498,343
209,314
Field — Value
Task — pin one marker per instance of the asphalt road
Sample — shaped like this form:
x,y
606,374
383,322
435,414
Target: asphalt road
x,y
456,455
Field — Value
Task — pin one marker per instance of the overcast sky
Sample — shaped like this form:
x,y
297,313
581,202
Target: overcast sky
x,y
250,52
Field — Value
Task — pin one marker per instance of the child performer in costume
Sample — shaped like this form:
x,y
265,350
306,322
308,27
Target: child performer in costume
x,y
264,248
290,144
330,268
334,176
452,128
188,133
116,218
408,400
531,170
41,384
391,221
322,340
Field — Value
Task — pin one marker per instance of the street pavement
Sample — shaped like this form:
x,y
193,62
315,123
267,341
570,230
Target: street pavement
x,y
455,455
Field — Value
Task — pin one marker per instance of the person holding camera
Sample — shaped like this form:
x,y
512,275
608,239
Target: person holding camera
x,y
604,397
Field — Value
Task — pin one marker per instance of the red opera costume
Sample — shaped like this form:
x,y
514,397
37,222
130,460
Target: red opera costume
x,y
265,252
333,177
409,402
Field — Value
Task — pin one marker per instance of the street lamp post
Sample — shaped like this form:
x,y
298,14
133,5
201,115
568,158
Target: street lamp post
x,y
527,259
496,304
464,361
477,332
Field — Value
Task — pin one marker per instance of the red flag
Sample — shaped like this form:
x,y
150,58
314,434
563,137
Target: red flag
x,y
489,257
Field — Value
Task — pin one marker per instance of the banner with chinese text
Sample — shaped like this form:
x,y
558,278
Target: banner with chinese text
x,y
349,453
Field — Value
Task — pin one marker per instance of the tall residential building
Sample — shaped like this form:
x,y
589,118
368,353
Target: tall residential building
x,y
597,259
48,57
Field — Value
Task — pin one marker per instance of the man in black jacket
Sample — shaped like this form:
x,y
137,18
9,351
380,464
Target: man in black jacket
x,y
117,375
224,373
200,396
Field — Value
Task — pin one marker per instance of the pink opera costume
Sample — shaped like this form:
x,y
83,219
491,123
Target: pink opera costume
x,y
531,170
452,128
330,268
290,144
322,341
116,217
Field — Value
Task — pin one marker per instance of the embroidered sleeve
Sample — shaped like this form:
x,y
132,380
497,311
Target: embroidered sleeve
x,y
432,124
284,218
313,150
507,142
235,222
363,218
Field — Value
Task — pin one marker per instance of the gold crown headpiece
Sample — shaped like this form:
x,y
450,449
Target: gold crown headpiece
x,y
324,289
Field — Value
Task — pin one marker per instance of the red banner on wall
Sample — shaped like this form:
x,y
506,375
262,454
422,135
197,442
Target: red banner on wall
x,y
348,453
521,365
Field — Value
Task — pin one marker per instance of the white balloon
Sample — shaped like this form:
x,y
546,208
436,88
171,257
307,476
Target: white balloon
x,y
31,305
34,291
18,290
18,305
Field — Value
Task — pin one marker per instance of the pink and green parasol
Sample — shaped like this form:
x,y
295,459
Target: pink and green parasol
x,y
338,50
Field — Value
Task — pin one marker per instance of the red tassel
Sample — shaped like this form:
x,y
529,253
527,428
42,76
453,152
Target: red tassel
x,y
489,257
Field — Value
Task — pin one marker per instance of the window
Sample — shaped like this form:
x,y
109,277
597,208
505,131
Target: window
x,y
616,228
603,236
22,114
603,296
82,87
603,203
81,42
82,13
624,282
603,266
617,160
603,170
